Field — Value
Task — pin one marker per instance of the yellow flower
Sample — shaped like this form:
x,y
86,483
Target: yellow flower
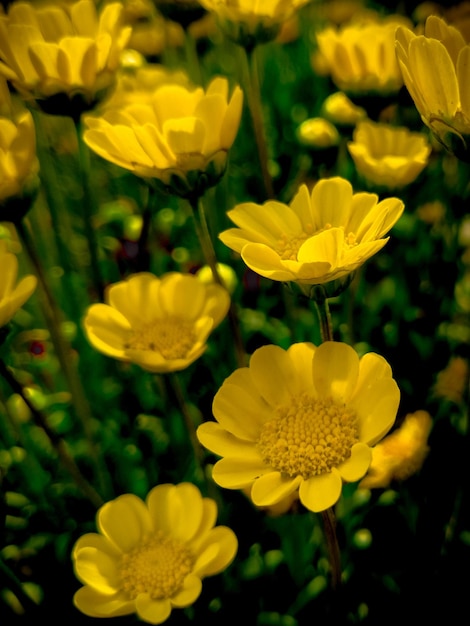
x,y
19,164
435,72
401,454
64,56
361,56
319,237
161,324
339,109
301,419
388,156
318,133
248,22
150,557
452,382
179,136
12,294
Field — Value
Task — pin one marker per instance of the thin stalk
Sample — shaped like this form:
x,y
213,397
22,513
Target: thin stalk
x,y
329,526
15,585
192,58
323,312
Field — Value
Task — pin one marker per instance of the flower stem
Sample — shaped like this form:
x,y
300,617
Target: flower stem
x,y
15,585
318,295
329,525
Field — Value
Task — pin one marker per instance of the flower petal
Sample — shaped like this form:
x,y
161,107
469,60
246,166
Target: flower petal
x,y
95,604
125,521
319,493
152,611
358,463
273,487
189,593
233,473
335,371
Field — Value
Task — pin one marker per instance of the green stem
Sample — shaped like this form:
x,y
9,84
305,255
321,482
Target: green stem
x,y
329,526
192,58
57,442
320,299
15,585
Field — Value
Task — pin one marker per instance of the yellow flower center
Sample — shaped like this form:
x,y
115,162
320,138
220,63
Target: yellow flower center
x,y
308,437
172,337
287,246
157,567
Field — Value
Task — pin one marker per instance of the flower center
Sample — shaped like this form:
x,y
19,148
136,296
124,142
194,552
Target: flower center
x,y
308,437
288,246
172,337
157,567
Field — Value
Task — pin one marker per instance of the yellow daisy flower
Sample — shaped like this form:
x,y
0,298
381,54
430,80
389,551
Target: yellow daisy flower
x,y
178,135
301,419
150,557
435,71
161,324
319,237
12,294
339,109
388,156
318,133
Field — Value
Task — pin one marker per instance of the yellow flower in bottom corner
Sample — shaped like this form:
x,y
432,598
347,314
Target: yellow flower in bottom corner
x,y
12,295
161,324
302,419
150,557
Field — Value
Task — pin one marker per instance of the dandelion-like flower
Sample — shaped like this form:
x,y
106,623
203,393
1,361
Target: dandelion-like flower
x,y
302,419
179,135
161,324
435,68
388,156
63,56
12,294
150,557
322,235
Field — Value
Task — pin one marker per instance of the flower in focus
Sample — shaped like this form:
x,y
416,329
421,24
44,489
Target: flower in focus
x,y
161,324
179,135
247,22
435,72
321,236
388,156
401,454
150,557
63,56
19,165
339,109
12,294
301,419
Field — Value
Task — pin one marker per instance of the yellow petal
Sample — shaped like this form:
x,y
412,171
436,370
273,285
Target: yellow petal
x,y
189,593
319,493
125,521
152,611
210,561
331,199
97,569
335,371
238,473
107,330
275,378
273,487
222,442
231,122
358,463
95,604
185,135
376,408
265,261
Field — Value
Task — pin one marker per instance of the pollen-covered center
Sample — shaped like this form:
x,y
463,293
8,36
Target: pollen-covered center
x,y
157,567
308,437
288,246
172,337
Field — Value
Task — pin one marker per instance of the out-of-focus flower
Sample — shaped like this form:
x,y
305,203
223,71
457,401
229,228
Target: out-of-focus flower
x,y
12,294
19,165
179,136
321,236
339,109
185,12
161,324
247,22
150,557
361,56
226,273
301,419
151,32
431,213
388,156
435,71
452,382
401,454
318,133
64,56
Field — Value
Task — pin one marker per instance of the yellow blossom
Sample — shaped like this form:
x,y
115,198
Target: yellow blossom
x,y
317,132
161,324
179,135
452,382
339,109
388,156
150,557
300,420
12,294
401,454
62,55
435,71
322,235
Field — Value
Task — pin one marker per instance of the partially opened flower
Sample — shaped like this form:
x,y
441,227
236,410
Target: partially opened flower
x,y
302,419
161,324
401,454
435,68
179,135
150,557
12,294
339,109
388,156
322,235
62,55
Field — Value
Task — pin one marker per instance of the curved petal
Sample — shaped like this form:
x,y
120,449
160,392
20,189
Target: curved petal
x,y
158,505
358,463
335,371
189,593
270,221
95,604
301,355
239,473
266,262
274,375
185,511
216,439
319,493
209,561
152,611
273,487
331,202
97,569
377,409
372,368
125,521
107,330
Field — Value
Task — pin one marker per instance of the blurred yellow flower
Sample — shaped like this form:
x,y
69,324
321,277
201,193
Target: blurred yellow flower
x,y
388,156
401,454
319,237
19,165
150,557
161,324
317,132
301,419
339,109
179,135
55,50
435,69
452,382
248,22
12,294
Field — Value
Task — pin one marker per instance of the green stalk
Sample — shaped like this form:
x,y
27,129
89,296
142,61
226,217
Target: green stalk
x,y
320,299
